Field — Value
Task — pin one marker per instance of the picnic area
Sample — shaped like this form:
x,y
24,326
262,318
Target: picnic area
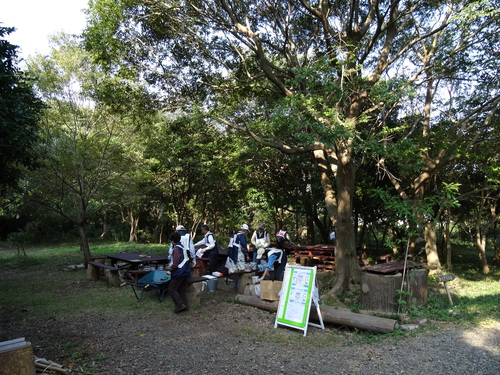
x,y
89,326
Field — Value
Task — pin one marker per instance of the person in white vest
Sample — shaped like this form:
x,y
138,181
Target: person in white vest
x,y
260,239
275,258
179,272
187,242
210,249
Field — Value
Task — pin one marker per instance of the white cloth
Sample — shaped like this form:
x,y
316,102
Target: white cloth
x,y
264,241
208,241
188,244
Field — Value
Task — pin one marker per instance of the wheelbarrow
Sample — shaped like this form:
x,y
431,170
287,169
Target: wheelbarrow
x,y
155,279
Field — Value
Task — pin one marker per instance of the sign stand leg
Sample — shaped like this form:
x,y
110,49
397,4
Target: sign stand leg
x,y
448,292
321,324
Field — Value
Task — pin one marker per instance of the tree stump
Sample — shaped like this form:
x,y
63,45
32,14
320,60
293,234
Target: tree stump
x,y
93,273
16,357
193,294
379,291
113,278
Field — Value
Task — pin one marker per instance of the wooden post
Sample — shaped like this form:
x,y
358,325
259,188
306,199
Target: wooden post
x,y
444,279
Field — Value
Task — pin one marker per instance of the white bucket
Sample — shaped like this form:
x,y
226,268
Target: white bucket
x,y
211,283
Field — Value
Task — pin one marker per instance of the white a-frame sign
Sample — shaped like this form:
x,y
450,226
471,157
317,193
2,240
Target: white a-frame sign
x,y
299,290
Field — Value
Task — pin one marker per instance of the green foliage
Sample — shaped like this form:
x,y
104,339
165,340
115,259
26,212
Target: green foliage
x,y
20,111
405,303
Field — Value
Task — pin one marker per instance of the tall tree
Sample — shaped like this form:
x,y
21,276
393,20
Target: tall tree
x,y
299,76
87,149
20,111
194,165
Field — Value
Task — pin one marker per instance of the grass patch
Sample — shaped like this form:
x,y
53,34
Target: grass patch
x,y
38,284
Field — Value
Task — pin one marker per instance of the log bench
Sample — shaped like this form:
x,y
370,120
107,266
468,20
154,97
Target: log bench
x,y
97,268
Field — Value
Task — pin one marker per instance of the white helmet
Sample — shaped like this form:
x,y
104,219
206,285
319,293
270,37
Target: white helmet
x,y
244,227
180,227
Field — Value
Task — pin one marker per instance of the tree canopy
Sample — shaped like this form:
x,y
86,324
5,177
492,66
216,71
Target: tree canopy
x,y
20,112
350,81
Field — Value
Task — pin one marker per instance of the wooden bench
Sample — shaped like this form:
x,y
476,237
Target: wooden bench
x,y
95,268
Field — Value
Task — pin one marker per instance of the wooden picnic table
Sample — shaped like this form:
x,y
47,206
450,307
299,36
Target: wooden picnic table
x,y
321,256
135,265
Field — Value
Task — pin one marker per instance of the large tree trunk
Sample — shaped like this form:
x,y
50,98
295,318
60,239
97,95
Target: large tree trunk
x,y
347,270
339,208
134,225
481,251
447,241
431,250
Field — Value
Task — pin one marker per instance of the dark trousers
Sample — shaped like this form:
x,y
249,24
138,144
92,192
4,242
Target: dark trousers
x,y
178,291
279,268
213,258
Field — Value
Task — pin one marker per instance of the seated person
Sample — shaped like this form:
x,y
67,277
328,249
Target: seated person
x,y
276,258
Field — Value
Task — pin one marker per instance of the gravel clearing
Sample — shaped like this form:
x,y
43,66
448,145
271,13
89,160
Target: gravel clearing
x,y
223,337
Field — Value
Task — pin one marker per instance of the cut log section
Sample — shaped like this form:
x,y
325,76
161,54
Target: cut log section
x,y
336,316
380,291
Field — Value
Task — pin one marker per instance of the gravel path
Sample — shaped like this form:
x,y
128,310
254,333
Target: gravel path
x,y
222,337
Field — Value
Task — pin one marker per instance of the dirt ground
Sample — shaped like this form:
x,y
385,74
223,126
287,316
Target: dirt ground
x,y
224,337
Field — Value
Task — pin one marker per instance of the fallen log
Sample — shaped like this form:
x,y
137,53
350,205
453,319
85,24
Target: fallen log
x,y
336,316
257,302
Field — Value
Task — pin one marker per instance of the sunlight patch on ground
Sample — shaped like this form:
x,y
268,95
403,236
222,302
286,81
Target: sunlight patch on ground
x,y
486,338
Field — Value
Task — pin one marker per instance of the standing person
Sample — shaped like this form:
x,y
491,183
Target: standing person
x,y
276,258
240,245
239,251
282,238
332,237
187,242
179,272
260,239
210,248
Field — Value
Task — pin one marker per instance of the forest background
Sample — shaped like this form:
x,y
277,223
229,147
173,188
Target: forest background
x,y
377,119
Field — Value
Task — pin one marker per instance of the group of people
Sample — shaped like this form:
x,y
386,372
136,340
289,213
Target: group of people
x,y
182,255
238,250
